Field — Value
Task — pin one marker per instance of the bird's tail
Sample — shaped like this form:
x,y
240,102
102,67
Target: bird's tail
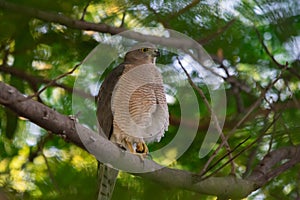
x,y
107,178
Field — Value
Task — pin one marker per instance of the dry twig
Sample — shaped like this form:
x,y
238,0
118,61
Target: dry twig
x,y
215,119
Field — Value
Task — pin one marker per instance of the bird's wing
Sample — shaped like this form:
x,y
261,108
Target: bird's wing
x,y
104,112
107,176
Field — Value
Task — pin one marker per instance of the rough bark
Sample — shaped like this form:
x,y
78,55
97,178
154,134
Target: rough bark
x,y
73,132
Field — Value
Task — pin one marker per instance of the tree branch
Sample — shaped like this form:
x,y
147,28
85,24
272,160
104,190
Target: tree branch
x,y
217,33
215,120
104,28
268,169
280,66
84,10
183,10
53,81
165,19
34,80
184,44
59,18
100,147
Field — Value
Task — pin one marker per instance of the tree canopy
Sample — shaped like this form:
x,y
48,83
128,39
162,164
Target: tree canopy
x,y
255,47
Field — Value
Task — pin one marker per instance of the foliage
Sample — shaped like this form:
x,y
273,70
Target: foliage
x,y
250,40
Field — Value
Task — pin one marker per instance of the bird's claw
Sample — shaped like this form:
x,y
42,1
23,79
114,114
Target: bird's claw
x,y
140,149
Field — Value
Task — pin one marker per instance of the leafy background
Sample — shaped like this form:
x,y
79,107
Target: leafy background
x,y
34,164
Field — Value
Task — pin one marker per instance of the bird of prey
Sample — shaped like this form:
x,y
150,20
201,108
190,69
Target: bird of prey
x,y
131,108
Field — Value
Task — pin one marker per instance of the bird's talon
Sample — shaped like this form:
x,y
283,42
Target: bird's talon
x,y
141,148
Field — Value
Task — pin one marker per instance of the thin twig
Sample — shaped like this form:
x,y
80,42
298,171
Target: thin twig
x,y
251,157
5,55
227,162
266,49
214,117
34,80
123,20
40,147
54,81
220,159
239,123
237,85
51,174
183,10
163,21
256,104
272,138
292,96
216,33
84,10
281,66
246,148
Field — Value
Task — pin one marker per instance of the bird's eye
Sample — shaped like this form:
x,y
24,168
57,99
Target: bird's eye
x,y
144,49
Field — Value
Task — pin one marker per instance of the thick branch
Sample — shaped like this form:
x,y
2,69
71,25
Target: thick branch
x,y
268,168
103,149
38,113
182,43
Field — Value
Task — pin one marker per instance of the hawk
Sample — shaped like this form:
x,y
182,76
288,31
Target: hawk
x,y
131,108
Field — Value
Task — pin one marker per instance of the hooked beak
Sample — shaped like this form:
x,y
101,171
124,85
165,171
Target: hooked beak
x,y
156,53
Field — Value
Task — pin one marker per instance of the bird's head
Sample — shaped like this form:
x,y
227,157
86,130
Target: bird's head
x,y
142,54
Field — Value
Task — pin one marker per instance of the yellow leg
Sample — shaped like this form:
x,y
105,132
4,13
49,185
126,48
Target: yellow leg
x,y
129,146
142,148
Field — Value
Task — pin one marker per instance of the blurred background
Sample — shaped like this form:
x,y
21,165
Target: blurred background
x,y
253,43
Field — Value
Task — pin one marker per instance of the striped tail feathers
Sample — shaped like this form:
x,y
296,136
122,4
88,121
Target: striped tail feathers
x,y
107,178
